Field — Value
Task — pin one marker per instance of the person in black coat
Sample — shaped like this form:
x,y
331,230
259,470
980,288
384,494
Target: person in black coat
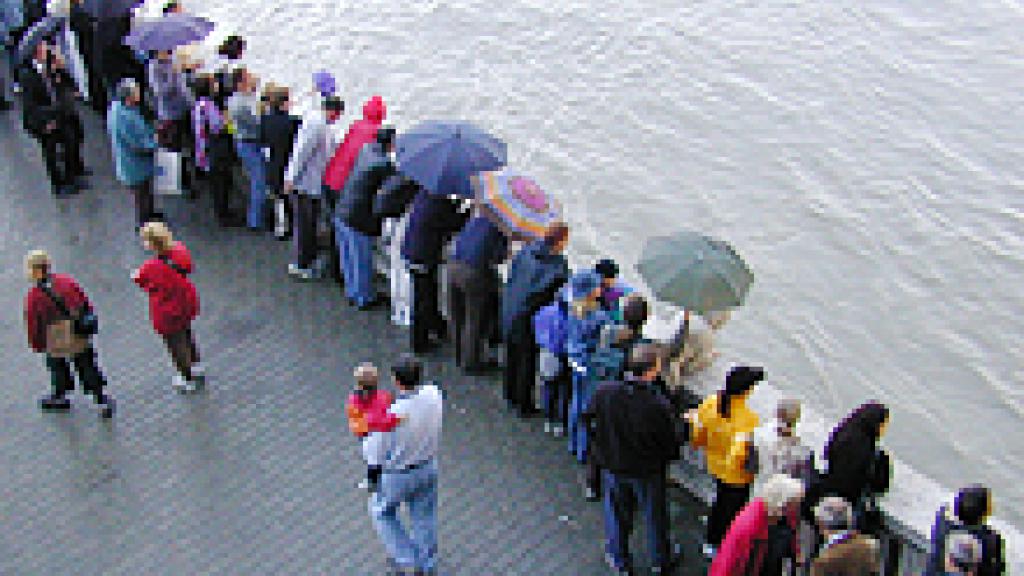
x,y
433,220
277,133
355,222
49,117
634,438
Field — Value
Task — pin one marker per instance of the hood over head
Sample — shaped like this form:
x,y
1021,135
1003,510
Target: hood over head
x,y
374,110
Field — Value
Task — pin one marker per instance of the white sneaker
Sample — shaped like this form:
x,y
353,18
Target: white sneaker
x,y
179,383
293,269
557,430
709,551
198,371
547,428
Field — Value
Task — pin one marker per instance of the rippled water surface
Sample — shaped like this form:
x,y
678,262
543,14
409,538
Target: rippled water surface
x,y
865,157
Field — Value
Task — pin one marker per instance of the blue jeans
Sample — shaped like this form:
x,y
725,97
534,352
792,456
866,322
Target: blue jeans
x,y
622,496
417,488
582,389
252,158
355,250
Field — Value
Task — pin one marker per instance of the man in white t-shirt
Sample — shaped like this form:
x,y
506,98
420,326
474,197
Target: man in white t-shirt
x,y
409,473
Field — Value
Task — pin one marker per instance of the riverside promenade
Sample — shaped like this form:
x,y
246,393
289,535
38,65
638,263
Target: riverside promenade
x,y
257,474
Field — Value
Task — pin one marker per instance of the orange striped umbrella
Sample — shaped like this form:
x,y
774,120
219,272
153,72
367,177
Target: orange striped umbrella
x,y
515,203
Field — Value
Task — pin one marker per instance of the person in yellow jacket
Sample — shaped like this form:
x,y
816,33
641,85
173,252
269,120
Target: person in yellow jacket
x,y
723,426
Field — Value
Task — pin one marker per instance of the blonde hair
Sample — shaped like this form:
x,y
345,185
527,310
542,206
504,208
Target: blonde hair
x,y
158,236
779,491
37,260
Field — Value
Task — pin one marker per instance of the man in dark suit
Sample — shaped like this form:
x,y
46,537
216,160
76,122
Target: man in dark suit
x,y
50,117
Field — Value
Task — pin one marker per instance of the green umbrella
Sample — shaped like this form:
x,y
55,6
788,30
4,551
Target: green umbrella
x,y
695,272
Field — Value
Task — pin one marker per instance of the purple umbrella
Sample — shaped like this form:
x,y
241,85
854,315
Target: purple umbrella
x,y
110,8
169,32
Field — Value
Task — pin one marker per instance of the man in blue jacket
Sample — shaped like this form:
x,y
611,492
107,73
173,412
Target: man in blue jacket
x,y
534,277
133,143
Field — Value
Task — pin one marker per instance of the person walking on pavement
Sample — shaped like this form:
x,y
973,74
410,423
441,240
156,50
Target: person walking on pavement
x,y
473,290
409,474
355,223
49,119
433,220
133,142
303,181
723,425
243,109
173,302
634,438
535,276
55,309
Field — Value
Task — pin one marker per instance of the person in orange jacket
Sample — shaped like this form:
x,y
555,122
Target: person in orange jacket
x,y
367,411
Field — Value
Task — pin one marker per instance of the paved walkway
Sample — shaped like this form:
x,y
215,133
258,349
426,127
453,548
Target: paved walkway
x,y
258,474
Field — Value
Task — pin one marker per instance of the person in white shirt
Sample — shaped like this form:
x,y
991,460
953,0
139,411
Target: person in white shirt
x,y
409,474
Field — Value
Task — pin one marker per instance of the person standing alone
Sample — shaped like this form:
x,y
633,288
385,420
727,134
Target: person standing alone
x,y
173,301
54,300
409,474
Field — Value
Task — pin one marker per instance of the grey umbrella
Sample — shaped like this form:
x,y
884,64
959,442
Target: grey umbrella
x,y
41,30
696,272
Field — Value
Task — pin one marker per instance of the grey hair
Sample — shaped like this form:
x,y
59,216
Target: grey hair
x,y
779,491
125,88
834,513
963,549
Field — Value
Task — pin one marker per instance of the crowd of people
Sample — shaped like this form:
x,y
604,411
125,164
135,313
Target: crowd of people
x,y
606,387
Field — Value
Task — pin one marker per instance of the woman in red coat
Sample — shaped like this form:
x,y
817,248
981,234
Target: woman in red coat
x,y
744,549
173,301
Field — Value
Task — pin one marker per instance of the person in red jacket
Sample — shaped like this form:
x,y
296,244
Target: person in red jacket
x,y
744,549
360,133
41,311
367,411
173,301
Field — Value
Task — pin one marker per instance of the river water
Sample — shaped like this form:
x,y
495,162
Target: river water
x,y
864,157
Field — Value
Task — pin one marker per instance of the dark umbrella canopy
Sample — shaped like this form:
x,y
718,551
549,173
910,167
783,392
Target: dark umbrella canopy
x,y
441,156
41,30
168,32
110,8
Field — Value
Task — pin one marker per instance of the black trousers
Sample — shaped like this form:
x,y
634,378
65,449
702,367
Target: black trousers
x,y
62,155
89,375
184,352
221,182
521,364
471,295
306,210
729,500
426,316
144,202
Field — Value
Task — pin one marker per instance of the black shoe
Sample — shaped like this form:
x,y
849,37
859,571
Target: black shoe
x,y
5,105
108,409
528,412
65,190
85,173
54,403
81,183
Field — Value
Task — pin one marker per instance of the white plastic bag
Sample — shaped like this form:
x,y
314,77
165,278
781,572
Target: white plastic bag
x,y
168,172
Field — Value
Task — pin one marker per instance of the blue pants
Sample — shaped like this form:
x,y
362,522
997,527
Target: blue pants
x,y
582,390
252,158
356,252
622,496
416,548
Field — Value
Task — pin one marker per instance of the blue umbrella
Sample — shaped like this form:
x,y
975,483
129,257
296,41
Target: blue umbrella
x,y
169,32
48,27
441,156
110,8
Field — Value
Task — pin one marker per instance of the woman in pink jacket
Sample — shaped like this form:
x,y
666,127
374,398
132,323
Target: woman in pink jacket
x,y
743,550
173,301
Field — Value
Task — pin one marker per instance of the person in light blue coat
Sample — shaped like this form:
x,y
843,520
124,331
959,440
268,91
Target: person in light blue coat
x,y
133,142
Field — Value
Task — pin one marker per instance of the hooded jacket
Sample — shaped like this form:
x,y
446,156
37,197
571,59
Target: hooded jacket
x,y
726,455
173,300
361,132
534,277
355,205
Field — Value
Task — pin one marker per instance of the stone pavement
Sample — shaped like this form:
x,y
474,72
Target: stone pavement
x,y
256,475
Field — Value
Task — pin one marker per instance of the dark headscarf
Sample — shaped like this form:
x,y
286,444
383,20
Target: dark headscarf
x,y
852,450
737,383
